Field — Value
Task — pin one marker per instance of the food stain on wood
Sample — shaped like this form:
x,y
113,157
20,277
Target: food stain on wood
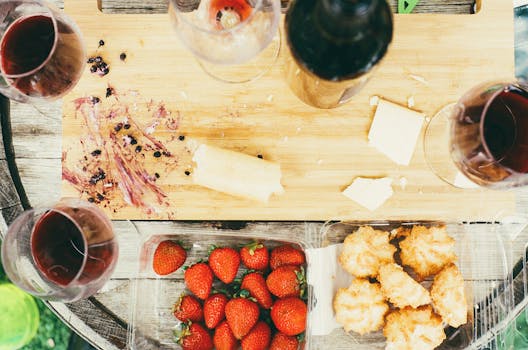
x,y
121,157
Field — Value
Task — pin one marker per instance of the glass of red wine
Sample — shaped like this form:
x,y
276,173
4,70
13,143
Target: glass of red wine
x,y
41,51
482,140
235,41
64,252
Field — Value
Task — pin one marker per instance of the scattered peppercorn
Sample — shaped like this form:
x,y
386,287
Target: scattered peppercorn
x,y
157,175
96,152
101,43
138,148
181,137
100,197
187,172
90,60
157,154
133,141
100,175
126,126
91,200
95,99
93,69
260,156
123,56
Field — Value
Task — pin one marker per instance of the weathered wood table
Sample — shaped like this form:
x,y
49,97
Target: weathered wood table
x,y
30,167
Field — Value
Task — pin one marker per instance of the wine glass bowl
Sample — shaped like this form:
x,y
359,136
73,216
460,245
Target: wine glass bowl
x,y
41,51
225,35
484,135
63,252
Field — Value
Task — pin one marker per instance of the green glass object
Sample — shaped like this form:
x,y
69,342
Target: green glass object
x,y
19,318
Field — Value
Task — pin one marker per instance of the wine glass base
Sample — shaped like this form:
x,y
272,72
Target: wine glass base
x,y
247,71
437,150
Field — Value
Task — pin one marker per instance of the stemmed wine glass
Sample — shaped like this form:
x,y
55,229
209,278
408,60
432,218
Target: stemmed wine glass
x,y
235,41
482,138
62,252
42,54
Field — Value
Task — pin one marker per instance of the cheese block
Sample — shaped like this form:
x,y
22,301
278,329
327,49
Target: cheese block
x,y
395,130
236,173
370,193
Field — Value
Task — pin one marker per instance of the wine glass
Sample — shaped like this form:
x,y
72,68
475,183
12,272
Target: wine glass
x,y
63,252
482,140
235,41
41,51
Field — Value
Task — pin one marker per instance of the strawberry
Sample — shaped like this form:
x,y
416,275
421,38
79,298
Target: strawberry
x,y
224,262
214,309
258,337
282,341
194,337
188,308
169,256
287,281
223,338
286,255
255,256
289,315
255,284
241,314
199,280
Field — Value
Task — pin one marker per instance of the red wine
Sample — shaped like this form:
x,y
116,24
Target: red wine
x,y
334,44
42,56
58,247
62,251
226,14
26,44
490,135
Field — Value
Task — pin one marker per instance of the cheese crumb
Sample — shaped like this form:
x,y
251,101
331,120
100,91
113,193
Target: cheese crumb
x,y
403,182
410,102
370,193
374,100
394,131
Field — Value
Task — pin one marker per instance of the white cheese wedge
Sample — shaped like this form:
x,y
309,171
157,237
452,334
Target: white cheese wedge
x,y
370,193
395,130
236,173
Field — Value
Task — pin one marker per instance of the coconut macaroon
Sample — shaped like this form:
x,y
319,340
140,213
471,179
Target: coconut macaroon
x,y
449,298
361,307
400,288
427,250
413,329
365,250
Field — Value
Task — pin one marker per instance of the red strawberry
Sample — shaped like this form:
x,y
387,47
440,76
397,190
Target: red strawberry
x,y
224,339
255,284
255,256
241,314
282,341
286,255
289,315
224,262
287,281
199,279
168,257
258,338
214,309
188,308
194,337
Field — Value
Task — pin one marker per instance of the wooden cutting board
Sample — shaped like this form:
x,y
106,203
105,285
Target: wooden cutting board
x,y
320,151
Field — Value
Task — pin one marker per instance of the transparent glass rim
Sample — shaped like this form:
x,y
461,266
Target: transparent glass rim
x,y
48,12
218,32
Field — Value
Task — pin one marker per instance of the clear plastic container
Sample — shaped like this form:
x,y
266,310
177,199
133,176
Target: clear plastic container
x,y
485,262
153,323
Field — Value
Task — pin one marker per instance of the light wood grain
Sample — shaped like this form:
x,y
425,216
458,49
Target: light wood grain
x,y
320,151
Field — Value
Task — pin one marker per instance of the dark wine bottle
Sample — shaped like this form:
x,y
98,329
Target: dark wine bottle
x,y
334,46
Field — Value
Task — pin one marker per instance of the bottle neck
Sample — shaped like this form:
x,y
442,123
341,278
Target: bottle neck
x,y
345,19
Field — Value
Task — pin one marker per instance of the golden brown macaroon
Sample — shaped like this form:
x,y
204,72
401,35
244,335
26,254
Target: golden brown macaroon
x,y
413,329
400,288
361,307
427,250
365,250
448,295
